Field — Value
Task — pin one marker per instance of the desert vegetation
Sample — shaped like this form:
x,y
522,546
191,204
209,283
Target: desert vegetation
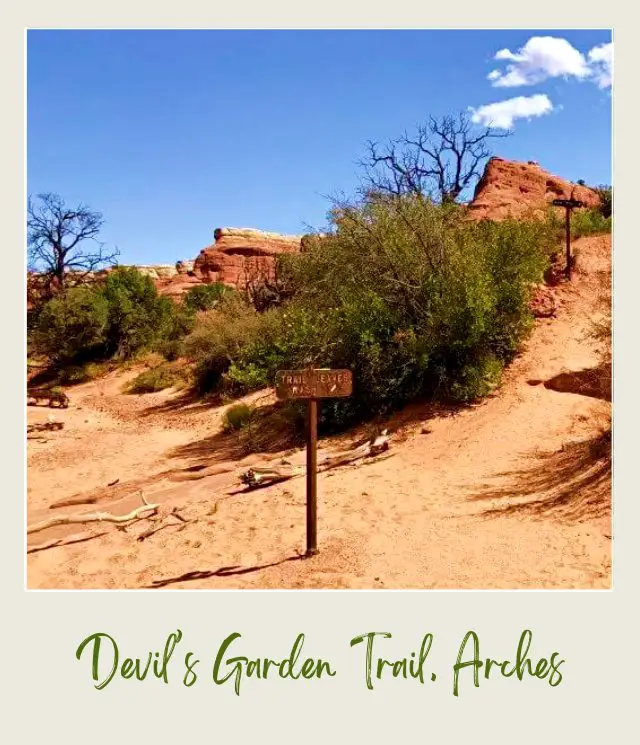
x,y
400,287
407,292
431,306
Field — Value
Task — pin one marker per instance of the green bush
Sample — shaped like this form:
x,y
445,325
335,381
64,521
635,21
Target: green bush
x,y
589,222
413,297
138,317
220,338
157,379
273,429
205,297
236,417
73,327
477,380
119,318
76,374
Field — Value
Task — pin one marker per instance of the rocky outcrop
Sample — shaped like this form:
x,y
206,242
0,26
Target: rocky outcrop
x,y
185,266
177,282
175,287
155,271
512,189
241,254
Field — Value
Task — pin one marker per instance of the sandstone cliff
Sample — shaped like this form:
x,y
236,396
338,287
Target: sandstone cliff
x,y
240,254
511,189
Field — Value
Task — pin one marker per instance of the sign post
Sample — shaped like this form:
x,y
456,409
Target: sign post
x,y
568,204
311,385
312,481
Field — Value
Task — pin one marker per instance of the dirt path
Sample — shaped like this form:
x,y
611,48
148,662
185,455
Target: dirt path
x,y
514,493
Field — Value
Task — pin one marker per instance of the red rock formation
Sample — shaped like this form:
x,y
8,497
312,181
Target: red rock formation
x,y
175,287
511,189
239,254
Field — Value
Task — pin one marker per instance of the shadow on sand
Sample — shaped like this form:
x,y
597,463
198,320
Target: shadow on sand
x,y
188,399
594,382
575,480
230,571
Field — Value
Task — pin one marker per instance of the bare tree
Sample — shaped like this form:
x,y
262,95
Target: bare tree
x,y
61,239
266,284
443,158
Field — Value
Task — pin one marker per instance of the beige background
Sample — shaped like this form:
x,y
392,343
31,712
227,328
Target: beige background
x,y
48,694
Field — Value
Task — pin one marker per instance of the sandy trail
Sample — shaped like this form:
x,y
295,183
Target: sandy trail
x,y
430,516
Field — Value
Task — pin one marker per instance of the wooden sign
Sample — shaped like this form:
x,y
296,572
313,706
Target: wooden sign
x,y
570,203
311,385
322,383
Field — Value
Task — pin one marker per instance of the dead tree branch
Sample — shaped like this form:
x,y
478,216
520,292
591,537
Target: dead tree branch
x,y
441,160
260,476
95,517
63,241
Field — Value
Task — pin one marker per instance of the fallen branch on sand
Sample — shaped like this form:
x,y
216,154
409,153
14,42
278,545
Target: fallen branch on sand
x,y
44,427
260,476
369,450
157,524
161,524
95,517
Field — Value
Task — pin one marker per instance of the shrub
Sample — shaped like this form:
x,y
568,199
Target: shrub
x,y
273,429
412,297
205,297
157,379
120,318
236,417
76,374
73,327
589,222
220,338
606,200
138,317
178,324
477,380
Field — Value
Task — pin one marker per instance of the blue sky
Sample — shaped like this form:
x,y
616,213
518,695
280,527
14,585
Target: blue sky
x,y
171,134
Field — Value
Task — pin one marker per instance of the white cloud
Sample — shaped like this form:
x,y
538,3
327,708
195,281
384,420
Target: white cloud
x,y
544,57
502,114
601,62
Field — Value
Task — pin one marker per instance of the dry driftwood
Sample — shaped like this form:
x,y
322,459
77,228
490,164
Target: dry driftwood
x,y
259,476
161,524
44,427
95,517
47,394
265,475
368,450
157,525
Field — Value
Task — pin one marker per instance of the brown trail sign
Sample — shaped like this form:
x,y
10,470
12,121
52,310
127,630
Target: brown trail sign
x,y
312,384
568,204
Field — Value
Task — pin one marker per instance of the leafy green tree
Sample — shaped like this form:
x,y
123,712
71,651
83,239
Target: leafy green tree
x,y
73,326
138,317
